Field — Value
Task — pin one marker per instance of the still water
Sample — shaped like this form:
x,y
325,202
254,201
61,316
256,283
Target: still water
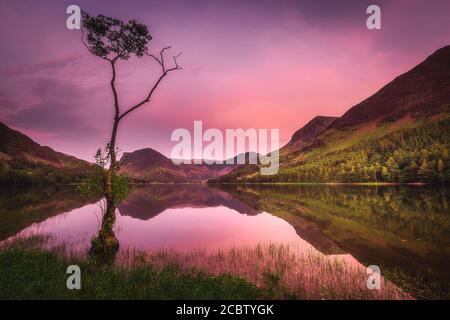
x,y
405,227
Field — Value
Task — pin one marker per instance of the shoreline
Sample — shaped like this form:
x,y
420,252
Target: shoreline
x,y
266,183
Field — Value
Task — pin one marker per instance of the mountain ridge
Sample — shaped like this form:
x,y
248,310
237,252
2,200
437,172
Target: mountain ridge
x,y
307,133
427,75
149,165
24,161
398,134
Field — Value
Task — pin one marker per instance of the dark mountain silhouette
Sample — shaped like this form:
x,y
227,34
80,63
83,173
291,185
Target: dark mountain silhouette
x,y
17,146
22,160
421,92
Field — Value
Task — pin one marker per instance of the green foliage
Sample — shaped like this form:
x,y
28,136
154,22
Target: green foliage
x,y
21,173
120,187
419,154
111,38
95,185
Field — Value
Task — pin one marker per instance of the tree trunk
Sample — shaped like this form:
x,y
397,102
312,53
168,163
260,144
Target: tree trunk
x,y
112,156
112,142
105,246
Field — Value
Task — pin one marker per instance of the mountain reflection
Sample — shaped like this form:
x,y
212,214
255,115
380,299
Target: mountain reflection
x,y
406,226
148,201
391,226
19,208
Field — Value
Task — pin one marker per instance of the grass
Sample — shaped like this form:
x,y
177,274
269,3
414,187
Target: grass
x,y
261,272
284,271
32,274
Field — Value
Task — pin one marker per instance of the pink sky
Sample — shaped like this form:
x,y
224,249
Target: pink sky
x,y
246,64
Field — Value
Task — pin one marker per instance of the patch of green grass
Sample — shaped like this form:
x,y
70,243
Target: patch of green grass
x,y
34,274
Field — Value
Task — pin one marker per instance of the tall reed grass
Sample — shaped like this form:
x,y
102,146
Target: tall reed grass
x,y
282,271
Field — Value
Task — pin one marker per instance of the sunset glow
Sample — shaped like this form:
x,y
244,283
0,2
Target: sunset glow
x,y
261,64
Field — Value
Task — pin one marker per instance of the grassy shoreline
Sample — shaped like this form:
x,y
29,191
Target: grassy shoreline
x,y
33,274
261,272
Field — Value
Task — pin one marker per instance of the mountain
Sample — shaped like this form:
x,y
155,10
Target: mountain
x,y
23,161
421,92
399,134
307,133
148,165
302,138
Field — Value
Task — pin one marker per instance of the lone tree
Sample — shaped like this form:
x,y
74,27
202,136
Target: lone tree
x,y
113,40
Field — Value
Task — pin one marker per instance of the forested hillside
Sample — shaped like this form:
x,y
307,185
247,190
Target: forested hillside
x,y
418,154
399,134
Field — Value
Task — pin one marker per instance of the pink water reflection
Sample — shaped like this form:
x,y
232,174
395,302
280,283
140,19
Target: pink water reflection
x,y
215,228
180,229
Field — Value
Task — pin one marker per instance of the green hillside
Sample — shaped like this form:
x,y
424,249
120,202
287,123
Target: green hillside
x,y
401,134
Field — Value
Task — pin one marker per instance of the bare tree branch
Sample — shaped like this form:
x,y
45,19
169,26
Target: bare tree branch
x,y
164,73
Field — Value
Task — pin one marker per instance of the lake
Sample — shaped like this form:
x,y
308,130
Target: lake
x,y
406,227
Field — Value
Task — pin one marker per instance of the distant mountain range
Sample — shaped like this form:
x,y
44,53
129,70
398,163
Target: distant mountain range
x,y
148,165
399,134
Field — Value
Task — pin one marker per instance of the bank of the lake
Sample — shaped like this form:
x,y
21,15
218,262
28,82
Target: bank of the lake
x,y
35,274
28,271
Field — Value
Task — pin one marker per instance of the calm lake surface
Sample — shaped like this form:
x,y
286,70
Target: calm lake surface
x,y
390,226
